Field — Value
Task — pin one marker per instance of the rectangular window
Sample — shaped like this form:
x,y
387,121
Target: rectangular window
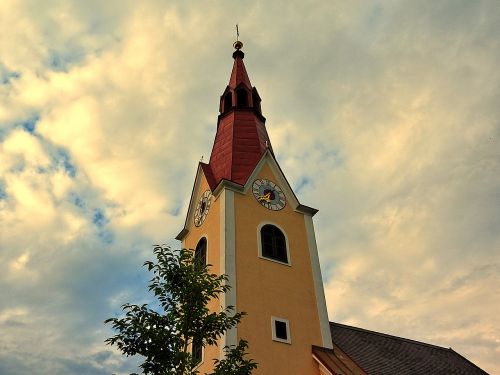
x,y
281,330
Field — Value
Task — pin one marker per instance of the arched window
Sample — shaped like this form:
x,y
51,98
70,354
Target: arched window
x,y
200,253
273,243
197,351
228,101
241,98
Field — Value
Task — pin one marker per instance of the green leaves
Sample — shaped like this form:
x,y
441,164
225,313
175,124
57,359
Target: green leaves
x,y
183,287
235,362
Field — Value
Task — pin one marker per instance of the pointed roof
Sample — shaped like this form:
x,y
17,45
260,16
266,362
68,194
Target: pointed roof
x,y
241,137
239,73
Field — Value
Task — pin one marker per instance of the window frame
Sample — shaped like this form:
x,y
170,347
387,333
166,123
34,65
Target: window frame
x,y
202,357
206,248
288,340
259,244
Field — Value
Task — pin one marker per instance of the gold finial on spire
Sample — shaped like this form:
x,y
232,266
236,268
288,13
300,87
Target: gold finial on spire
x,y
238,44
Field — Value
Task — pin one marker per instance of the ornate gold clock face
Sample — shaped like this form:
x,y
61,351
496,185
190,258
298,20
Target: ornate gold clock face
x,y
268,194
202,208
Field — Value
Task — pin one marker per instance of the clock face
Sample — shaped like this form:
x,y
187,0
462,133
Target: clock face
x,y
268,194
202,208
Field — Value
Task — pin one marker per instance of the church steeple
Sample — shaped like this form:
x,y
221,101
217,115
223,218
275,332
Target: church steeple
x,y
245,219
241,137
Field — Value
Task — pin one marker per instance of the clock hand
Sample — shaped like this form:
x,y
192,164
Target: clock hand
x,y
266,197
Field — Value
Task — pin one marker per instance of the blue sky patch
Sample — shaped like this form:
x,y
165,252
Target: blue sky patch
x,y
100,221
174,211
30,124
6,75
76,200
6,78
106,236
99,218
303,182
41,170
3,193
60,61
64,160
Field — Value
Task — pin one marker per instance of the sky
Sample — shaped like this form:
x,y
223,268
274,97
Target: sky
x,y
384,115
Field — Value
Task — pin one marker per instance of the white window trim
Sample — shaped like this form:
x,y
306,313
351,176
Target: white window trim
x,y
273,326
259,244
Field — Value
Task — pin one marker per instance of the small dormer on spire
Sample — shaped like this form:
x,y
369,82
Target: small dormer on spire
x,y
239,93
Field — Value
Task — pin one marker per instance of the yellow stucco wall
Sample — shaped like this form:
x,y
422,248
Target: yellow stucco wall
x,y
266,288
211,230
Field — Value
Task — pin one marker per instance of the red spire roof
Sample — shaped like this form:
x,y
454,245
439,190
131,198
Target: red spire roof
x,y
241,137
239,73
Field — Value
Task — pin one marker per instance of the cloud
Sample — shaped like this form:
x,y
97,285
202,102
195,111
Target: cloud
x,y
383,116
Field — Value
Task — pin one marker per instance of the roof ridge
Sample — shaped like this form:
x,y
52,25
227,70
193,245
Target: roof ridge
x,y
392,336
472,363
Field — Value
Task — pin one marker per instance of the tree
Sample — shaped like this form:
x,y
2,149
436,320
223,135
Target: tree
x,y
183,286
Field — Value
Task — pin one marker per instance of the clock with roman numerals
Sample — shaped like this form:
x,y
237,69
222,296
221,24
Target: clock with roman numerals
x,y
202,207
268,194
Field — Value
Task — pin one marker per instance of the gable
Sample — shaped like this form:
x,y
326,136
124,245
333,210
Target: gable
x,y
268,164
200,185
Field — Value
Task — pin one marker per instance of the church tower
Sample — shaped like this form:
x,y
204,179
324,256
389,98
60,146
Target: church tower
x,y
245,220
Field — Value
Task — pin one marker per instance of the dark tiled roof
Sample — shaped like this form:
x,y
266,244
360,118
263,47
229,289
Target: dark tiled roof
x,y
381,354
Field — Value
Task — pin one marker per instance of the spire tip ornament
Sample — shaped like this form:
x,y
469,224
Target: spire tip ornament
x,y
238,45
